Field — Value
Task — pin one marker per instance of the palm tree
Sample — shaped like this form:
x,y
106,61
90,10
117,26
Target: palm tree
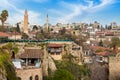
x,y
3,17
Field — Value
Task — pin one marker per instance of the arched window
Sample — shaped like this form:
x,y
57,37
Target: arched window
x,y
19,78
36,77
30,78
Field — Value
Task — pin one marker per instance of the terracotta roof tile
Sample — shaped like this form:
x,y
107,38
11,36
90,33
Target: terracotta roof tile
x,y
32,53
99,32
2,34
95,48
102,53
54,45
15,33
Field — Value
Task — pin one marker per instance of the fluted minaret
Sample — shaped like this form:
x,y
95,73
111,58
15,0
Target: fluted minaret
x,y
26,22
47,21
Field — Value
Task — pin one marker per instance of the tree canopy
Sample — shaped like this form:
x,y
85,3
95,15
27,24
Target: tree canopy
x,y
3,17
78,71
6,65
18,28
25,36
35,28
62,74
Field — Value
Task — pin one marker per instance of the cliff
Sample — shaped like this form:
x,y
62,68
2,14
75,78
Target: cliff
x,y
7,70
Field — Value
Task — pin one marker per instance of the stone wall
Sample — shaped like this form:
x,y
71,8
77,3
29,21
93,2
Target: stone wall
x,y
60,42
57,57
25,74
114,68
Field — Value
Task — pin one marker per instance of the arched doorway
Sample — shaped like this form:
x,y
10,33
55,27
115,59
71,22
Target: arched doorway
x,y
19,78
30,78
36,77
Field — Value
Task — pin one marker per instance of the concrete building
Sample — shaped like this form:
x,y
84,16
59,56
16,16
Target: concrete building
x,y
96,25
56,29
3,36
28,67
15,36
55,50
114,25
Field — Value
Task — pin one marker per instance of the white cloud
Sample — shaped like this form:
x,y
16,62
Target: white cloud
x,y
34,17
41,1
16,14
9,4
103,4
75,10
13,19
56,12
67,13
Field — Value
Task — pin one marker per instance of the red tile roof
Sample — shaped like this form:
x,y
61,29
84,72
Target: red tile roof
x,y
54,45
15,33
33,32
102,53
32,53
109,33
69,30
99,32
95,48
2,34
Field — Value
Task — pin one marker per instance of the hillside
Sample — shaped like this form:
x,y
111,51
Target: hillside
x,y
6,67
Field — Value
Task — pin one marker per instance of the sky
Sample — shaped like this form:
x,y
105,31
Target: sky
x,y
63,11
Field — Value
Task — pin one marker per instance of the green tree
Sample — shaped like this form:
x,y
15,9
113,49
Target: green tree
x,y
35,28
69,57
42,32
12,49
115,43
106,43
8,70
101,43
109,27
63,31
18,28
51,29
102,28
39,35
106,27
25,36
3,17
47,35
78,71
12,29
62,74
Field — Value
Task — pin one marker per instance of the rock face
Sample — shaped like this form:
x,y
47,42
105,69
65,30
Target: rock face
x,y
51,64
99,71
2,75
45,67
48,63
114,68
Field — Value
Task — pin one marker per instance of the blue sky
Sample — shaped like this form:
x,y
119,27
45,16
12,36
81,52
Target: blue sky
x,y
63,11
